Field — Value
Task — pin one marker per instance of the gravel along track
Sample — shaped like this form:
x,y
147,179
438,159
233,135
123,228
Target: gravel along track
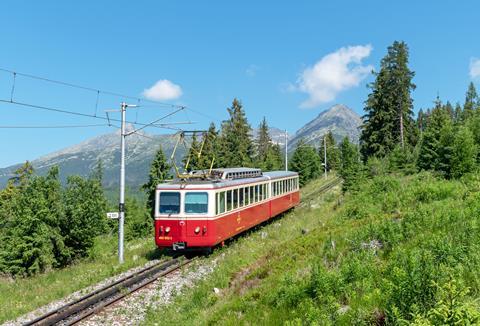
x,y
75,296
131,310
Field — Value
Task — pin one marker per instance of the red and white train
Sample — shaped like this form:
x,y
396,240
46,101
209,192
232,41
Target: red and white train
x,y
198,214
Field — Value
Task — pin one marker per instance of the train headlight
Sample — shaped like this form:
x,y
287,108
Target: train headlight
x,y
167,229
197,230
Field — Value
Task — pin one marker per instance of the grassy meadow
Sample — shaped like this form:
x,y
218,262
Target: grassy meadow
x,y
399,250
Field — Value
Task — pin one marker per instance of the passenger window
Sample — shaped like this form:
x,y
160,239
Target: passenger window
x,y
247,196
221,202
229,200
196,203
235,198
257,192
260,192
252,195
169,203
241,197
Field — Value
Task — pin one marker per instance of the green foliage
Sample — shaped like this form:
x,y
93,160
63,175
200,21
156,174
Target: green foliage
x,y
333,153
159,171
210,149
430,145
464,153
389,107
46,226
471,102
268,155
306,162
350,165
235,146
85,209
138,222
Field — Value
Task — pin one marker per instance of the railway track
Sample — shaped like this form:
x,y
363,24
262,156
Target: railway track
x,y
95,301
307,198
92,303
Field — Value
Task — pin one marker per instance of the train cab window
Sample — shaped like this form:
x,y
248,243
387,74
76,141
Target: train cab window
x,y
229,200
196,203
235,198
221,202
169,203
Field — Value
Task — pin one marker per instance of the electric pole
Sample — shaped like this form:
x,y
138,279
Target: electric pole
x,y
121,204
286,150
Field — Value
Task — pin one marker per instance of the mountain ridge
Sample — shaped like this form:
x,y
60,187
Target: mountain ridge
x,y
81,158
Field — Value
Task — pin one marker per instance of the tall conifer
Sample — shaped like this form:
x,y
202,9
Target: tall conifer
x,y
388,120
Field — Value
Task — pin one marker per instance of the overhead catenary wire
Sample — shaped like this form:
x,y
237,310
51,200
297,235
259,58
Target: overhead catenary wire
x,y
91,89
59,110
54,126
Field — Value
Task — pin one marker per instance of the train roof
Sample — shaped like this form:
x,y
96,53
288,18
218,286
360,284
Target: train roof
x,y
221,183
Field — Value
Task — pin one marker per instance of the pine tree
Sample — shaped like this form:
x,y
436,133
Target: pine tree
x,y
421,120
388,120
85,209
458,114
159,171
429,153
236,148
350,166
268,155
464,153
306,162
333,154
210,149
193,155
471,101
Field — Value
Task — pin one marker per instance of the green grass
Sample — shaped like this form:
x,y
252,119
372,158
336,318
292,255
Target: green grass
x,y
400,250
21,295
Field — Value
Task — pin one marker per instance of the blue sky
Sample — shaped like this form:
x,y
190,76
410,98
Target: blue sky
x,y
277,57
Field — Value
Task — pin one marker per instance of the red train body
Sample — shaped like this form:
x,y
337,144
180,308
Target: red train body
x,y
204,213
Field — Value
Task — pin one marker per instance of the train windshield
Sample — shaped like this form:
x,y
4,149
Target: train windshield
x,y
169,203
196,203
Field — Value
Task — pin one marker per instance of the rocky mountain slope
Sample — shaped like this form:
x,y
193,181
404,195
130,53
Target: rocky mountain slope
x,y
340,119
82,158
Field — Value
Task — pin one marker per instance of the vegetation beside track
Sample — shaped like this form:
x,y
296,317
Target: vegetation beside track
x,y
399,250
21,295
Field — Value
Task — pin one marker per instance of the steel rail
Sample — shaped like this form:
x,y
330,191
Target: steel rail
x,y
77,310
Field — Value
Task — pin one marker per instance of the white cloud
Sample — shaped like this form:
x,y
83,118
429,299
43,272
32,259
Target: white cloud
x,y
474,68
334,73
163,90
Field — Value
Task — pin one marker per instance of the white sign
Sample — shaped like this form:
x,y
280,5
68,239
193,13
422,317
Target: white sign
x,y
113,215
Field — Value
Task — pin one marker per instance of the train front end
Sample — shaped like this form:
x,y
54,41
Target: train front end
x,y
182,214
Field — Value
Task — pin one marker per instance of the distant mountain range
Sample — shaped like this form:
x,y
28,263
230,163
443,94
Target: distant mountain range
x,y
82,158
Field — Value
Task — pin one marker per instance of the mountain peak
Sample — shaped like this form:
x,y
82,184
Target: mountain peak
x,y
339,119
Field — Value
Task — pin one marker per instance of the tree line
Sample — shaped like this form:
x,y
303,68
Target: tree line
x,y
45,225
443,139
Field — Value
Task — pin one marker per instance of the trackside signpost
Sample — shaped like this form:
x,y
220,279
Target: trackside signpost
x,y
112,215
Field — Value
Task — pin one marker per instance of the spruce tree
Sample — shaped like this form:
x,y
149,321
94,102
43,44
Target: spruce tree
x,y
333,154
429,153
193,156
210,149
464,153
268,155
389,108
471,101
159,171
350,166
458,113
306,162
236,147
